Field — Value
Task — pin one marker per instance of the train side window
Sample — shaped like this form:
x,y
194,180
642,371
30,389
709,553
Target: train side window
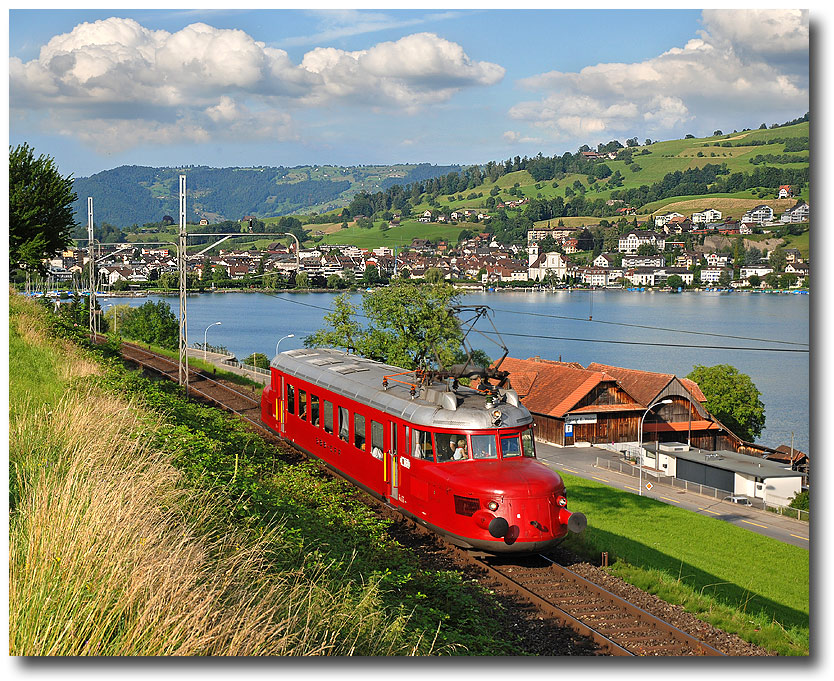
x,y
450,447
290,399
377,439
484,447
314,409
510,446
328,417
358,431
343,424
528,447
302,405
422,445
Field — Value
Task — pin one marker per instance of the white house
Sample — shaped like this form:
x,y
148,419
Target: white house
x,y
801,212
711,275
717,259
760,270
629,243
661,220
551,263
709,215
759,214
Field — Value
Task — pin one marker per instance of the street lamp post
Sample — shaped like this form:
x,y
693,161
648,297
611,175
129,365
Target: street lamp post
x,y
205,340
640,441
290,335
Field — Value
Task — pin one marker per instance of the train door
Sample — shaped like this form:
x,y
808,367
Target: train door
x,y
392,451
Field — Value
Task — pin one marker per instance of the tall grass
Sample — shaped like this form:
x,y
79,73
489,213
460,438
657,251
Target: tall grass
x,y
111,554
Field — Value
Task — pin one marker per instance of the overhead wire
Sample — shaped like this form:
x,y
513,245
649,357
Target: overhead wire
x,y
609,340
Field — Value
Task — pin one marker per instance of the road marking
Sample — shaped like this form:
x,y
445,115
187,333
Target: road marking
x,y
798,537
706,510
632,488
569,469
596,478
756,524
672,500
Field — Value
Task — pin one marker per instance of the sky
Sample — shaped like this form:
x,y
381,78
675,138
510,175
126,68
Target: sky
x,y
100,88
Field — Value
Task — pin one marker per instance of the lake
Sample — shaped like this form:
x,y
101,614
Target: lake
x,y
652,331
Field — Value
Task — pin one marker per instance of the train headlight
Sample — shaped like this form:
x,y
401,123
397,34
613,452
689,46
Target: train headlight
x,y
492,505
496,416
561,501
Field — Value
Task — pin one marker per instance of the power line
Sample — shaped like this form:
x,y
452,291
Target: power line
x,y
651,328
592,340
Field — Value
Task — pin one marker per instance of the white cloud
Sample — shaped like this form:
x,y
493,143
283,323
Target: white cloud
x,y
724,74
205,78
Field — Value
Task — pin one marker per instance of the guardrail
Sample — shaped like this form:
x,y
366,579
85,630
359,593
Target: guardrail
x,y
660,478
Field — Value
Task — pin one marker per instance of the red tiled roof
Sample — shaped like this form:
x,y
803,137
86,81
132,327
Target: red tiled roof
x,y
646,385
550,388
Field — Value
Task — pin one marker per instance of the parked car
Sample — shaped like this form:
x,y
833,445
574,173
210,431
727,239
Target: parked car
x,y
738,499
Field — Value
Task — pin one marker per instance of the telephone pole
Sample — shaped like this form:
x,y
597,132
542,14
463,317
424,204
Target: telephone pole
x,y
92,257
183,363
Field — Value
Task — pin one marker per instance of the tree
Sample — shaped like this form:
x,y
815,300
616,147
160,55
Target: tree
x,y
410,325
675,282
732,398
257,359
754,280
40,209
151,323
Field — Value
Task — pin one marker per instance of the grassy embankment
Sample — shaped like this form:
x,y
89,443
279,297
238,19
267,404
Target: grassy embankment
x,y
739,581
325,578
142,524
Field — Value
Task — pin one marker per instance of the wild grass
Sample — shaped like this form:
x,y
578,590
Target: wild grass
x,y
111,554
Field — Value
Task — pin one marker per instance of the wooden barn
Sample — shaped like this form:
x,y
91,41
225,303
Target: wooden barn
x,y
685,420
571,404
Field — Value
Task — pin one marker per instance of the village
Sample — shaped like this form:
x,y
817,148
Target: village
x,y
670,250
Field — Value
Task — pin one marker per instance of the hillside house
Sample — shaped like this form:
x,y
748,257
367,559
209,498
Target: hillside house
x,y
785,192
711,275
760,270
709,215
686,276
801,212
643,261
717,259
760,214
629,243
661,220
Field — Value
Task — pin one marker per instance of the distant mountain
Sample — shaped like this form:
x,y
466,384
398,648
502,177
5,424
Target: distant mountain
x,y
137,195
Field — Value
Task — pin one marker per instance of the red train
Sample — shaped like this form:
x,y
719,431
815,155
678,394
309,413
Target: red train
x,y
458,460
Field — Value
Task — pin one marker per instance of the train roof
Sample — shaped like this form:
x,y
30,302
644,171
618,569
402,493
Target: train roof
x,y
436,406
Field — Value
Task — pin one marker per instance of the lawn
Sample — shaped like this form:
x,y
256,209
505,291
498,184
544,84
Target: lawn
x,y
743,576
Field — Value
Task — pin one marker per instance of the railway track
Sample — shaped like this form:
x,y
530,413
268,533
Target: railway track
x,y
616,626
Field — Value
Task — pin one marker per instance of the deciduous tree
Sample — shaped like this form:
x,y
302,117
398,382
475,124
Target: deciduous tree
x,y
732,398
40,209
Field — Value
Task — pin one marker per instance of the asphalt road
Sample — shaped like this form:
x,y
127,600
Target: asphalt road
x,y
581,461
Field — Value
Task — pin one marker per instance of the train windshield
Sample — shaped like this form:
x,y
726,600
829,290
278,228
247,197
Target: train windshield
x,y
527,446
450,447
510,446
484,447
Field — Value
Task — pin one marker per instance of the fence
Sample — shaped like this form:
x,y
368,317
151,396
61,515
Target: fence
x,y
231,361
658,478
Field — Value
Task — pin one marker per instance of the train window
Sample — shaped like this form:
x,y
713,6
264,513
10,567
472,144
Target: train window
x,y
314,409
484,447
422,445
510,446
290,399
527,446
302,405
450,447
377,439
328,416
359,431
394,429
343,424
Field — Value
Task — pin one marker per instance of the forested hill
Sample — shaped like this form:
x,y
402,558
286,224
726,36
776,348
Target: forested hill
x,y
135,195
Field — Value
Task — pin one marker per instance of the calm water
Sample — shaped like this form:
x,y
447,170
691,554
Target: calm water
x,y
253,322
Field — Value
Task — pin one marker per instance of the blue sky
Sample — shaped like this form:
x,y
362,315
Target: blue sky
x,y
100,88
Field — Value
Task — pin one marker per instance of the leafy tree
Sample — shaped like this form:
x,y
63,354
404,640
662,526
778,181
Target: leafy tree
x,y
801,501
302,280
434,275
257,359
151,323
732,398
772,280
40,209
724,278
410,325
754,280
788,279
675,281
